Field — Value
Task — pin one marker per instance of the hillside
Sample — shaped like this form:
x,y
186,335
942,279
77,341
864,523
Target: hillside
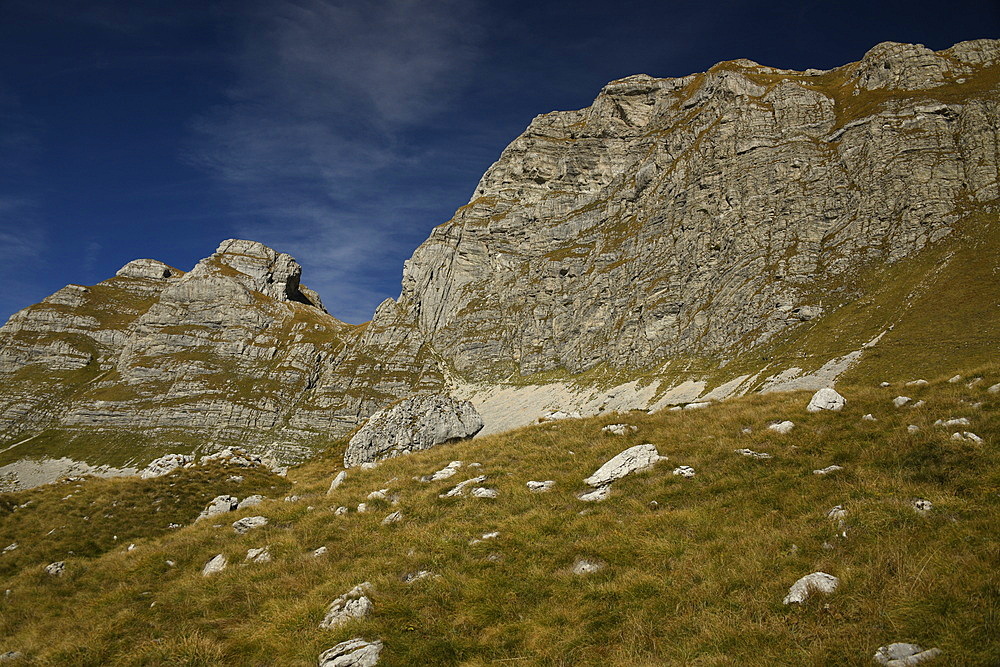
x,y
691,570
681,240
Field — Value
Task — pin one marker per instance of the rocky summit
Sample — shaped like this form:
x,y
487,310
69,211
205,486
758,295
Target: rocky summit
x,y
679,241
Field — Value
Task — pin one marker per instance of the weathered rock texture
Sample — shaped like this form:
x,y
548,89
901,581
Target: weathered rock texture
x,y
678,230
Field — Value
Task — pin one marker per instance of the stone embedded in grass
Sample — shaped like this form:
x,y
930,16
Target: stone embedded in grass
x,y
395,517
485,536
337,481
595,496
587,566
631,460
817,582
352,604
752,454
340,511
235,479
352,653
381,494
261,555
973,382
912,428
958,421
10,655
884,384
904,655
218,563
292,499
322,551
994,389
697,405
966,435
954,380
917,383
10,547
165,464
410,577
869,418
919,404
838,513
459,489
557,415
620,429
541,487
826,399
55,569
219,505
362,508
827,470
922,506
246,524
783,427
250,501
684,471
483,492
900,401
444,473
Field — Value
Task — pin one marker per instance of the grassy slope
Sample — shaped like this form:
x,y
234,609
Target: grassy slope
x,y
699,580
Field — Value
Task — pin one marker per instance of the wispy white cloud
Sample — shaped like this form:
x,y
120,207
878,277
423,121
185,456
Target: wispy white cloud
x,y
313,135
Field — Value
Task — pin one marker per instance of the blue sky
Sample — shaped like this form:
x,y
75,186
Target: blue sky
x,y
340,132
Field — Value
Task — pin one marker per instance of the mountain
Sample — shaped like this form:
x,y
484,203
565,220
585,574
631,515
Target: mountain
x,y
679,241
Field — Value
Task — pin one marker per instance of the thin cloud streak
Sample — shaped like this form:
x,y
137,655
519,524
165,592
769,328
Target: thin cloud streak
x,y
312,136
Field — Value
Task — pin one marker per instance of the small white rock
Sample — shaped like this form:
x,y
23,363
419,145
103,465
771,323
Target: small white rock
x,y
584,566
955,380
261,555
919,404
620,429
967,435
884,384
381,494
540,487
752,454
912,428
922,506
959,421
900,401
869,418
994,389
917,383
684,471
56,569
218,563
322,551
697,405
481,492
10,547
362,508
838,513
353,653
350,605
395,517
337,481
782,427
597,495
827,470
459,489
817,582
246,524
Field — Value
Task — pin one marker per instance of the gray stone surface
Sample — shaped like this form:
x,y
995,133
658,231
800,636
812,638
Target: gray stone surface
x,y
817,582
217,564
352,653
902,654
414,424
219,505
826,399
351,605
165,464
246,524
631,460
783,427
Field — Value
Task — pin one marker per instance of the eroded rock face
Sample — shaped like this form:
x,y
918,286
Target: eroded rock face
x,y
411,425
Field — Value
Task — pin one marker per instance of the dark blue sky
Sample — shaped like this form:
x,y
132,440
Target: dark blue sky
x,y
340,132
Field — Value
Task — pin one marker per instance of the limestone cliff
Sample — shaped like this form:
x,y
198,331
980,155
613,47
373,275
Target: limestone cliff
x,y
679,239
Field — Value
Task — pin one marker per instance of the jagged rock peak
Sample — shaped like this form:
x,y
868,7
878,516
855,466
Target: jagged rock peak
x,y
149,269
260,268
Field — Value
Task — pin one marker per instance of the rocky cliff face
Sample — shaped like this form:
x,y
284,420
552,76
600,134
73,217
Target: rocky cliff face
x,y
674,226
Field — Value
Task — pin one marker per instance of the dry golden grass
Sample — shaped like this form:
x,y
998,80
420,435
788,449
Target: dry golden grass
x,y
697,578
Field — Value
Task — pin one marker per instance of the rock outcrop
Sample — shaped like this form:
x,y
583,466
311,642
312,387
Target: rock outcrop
x,y
708,218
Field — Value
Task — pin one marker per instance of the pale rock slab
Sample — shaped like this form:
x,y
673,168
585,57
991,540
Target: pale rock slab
x,y
351,605
558,415
783,428
826,399
322,551
444,473
955,380
584,566
597,495
541,487
904,655
817,582
250,501
261,555
684,471
352,653
55,569
620,429
217,564
414,424
395,517
827,470
337,481
631,460
958,421
246,524
967,435
459,489
912,428
900,401
482,492
917,383
752,454
219,505
165,464
994,389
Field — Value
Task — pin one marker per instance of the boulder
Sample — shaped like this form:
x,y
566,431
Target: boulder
x,y
246,524
147,269
826,399
782,427
416,423
261,555
233,456
352,653
631,460
218,563
904,655
165,464
352,604
219,505
817,582
968,436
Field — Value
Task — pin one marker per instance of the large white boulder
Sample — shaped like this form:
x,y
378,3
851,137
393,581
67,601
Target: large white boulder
x,y
416,423
631,460
826,399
